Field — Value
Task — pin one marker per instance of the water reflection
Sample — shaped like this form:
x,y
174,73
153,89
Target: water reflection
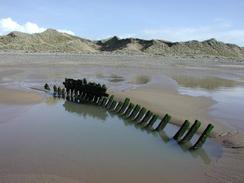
x,y
52,100
201,153
228,107
209,83
168,138
89,110
85,110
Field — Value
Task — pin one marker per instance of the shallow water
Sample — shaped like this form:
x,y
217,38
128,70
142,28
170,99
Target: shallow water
x,y
229,104
88,144
228,95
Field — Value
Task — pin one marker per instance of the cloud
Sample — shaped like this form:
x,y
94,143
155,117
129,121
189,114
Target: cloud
x,y
220,30
8,25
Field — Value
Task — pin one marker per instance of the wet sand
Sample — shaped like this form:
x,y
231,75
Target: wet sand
x,y
180,107
17,96
157,90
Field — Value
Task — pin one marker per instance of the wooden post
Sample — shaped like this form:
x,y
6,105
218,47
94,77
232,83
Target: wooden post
x,y
109,105
118,106
152,121
94,101
191,132
124,106
203,137
163,122
84,96
128,110
46,87
55,90
104,102
112,106
134,112
140,114
182,130
110,100
100,101
147,116
63,92
59,91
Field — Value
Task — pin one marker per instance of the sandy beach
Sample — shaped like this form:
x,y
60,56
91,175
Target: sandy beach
x,y
158,83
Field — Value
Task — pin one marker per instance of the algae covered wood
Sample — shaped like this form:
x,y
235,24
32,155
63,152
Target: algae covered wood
x,y
140,114
46,87
145,118
112,106
182,130
100,101
118,106
191,132
104,102
128,110
163,122
203,137
152,121
134,112
124,105
110,100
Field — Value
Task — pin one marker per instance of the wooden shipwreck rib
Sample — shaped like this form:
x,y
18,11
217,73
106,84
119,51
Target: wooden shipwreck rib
x,y
95,93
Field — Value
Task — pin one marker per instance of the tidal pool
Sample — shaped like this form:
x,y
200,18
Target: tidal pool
x,y
85,143
228,107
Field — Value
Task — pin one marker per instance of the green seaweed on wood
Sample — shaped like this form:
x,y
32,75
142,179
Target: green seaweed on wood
x,y
163,122
151,122
140,114
191,132
203,137
128,110
182,130
134,111
124,106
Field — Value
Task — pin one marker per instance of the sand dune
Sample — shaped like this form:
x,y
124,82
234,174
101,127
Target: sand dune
x,y
54,41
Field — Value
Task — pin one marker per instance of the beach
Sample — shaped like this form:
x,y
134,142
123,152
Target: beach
x,y
185,88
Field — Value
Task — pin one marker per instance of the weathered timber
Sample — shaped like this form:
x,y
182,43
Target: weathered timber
x,y
191,132
46,87
203,137
140,114
182,130
128,110
134,112
79,86
59,91
124,106
100,101
112,106
118,106
104,102
110,100
63,92
109,104
55,89
147,116
163,122
151,122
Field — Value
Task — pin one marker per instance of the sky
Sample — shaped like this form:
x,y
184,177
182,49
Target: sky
x,y
172,20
